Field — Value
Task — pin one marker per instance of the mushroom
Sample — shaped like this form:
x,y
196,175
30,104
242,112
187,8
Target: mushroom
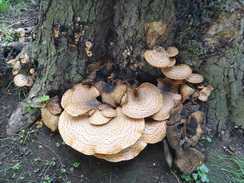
x,y
170,100
50,113
110,138
88,53
17,66
143,101
204,93
25,59
194,126
126,154
88,44
107,110
111,93
172,51
166,84
157,57
33,73
186,91
23,80
195,78
188,160
80,99
154,131
97,118
178,72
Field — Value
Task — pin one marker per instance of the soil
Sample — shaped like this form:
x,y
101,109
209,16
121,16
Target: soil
x,y
38,155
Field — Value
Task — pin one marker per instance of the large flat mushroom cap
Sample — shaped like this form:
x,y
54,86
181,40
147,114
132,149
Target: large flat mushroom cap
x,y
80,99
110,138
157,58
154,131
143,101
178,72
126,154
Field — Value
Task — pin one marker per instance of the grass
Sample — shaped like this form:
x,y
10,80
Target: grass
x,y
231,167
6,5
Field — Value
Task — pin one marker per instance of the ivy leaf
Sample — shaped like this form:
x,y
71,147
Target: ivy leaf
x,y
195,176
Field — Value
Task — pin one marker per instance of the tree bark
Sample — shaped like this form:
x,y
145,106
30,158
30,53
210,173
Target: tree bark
x,y
207,33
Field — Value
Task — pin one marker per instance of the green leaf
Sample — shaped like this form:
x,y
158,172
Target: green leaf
x,y
43,98
203,168
204,178
186,177
195,176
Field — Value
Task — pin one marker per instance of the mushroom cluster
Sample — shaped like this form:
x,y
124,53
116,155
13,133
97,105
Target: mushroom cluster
x,y
20,66
115,121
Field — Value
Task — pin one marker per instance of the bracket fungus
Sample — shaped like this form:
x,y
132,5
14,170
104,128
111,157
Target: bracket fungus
x,y
110,138
172,51
80,99
177,72
195,78
50,113
143,101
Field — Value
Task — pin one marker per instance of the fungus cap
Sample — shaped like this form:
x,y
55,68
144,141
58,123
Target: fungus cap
x,y
126,154
80,99
172,51
178,72
107,110
195,78
21,80
110,138
98,118
186,91
143,101
170,100
49,119
157,58
154,131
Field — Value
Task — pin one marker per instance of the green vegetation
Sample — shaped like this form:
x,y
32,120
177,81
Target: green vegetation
x,y
8,5
199,176
231,167
3,5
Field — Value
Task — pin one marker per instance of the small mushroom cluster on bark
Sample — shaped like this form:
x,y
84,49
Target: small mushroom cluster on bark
x,y
19,67
115,121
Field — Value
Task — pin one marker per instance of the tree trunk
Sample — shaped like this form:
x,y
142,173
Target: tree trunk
x,y
207,33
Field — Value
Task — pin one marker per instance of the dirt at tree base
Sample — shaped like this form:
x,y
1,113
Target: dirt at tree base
x,y
37,155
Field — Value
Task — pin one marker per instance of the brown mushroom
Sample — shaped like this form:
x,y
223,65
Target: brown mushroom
x,y
157,57
23,80
80,99
195,78
166,84
186,91
110,138
194,126
25,59
178,72
143,101
111,93
126,154
204,93
170,100
107,110
97,118
50,113
154,131
172,51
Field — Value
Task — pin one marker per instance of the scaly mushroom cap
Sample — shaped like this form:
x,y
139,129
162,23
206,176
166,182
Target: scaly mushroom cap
x,y
172,51
195,78
178,72
110,138
154,131
170,100
53,105
111,94
80,99
172,62
98,119
186,91
107,110
143,101
126,154
21,80
157,57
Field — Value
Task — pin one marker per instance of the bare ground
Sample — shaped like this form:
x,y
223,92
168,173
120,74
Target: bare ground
x,y
37,155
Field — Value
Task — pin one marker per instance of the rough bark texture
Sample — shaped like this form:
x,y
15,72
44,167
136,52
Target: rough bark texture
x,y
208,35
